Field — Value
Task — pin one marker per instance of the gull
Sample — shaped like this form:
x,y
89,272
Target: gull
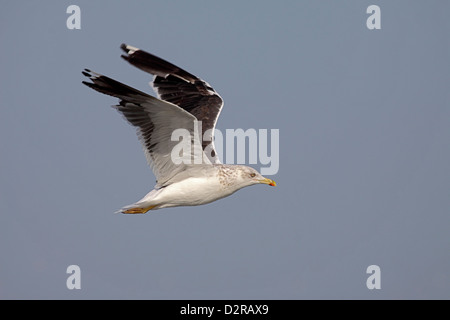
x,y
185,102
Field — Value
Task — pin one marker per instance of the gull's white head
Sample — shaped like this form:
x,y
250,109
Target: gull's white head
x,y
248,176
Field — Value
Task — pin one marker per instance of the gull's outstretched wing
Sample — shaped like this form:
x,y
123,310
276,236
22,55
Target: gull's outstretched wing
x,y
155,121
183,89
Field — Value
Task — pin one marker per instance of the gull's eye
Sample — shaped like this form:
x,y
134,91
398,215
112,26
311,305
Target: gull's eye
x,y
252,174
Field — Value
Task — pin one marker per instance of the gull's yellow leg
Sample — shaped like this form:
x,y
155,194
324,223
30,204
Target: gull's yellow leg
x,y
138,210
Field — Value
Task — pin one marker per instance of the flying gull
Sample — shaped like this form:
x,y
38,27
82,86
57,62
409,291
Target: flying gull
x,y
184,102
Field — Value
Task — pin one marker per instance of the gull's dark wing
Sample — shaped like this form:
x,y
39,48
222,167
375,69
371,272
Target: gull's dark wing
x,y
155,120
177,86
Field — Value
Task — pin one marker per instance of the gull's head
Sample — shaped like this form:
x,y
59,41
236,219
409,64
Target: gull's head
x,y
249,176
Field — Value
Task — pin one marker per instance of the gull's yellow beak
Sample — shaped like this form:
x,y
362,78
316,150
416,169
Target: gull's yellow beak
x,y
268,181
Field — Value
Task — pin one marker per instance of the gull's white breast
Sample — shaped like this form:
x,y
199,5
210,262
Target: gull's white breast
x,y
192,191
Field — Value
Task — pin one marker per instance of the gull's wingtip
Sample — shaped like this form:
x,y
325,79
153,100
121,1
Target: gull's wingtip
x,y
128,49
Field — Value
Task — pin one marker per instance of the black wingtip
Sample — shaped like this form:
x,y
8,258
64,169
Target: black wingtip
x,y
89,84
126,57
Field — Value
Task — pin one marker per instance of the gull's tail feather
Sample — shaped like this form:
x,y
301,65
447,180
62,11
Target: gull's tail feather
x,y
142,206
136,210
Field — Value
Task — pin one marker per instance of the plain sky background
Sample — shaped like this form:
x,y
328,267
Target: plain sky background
x,y
364,178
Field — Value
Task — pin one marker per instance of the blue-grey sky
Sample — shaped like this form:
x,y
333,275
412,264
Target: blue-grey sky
x,y
364,176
